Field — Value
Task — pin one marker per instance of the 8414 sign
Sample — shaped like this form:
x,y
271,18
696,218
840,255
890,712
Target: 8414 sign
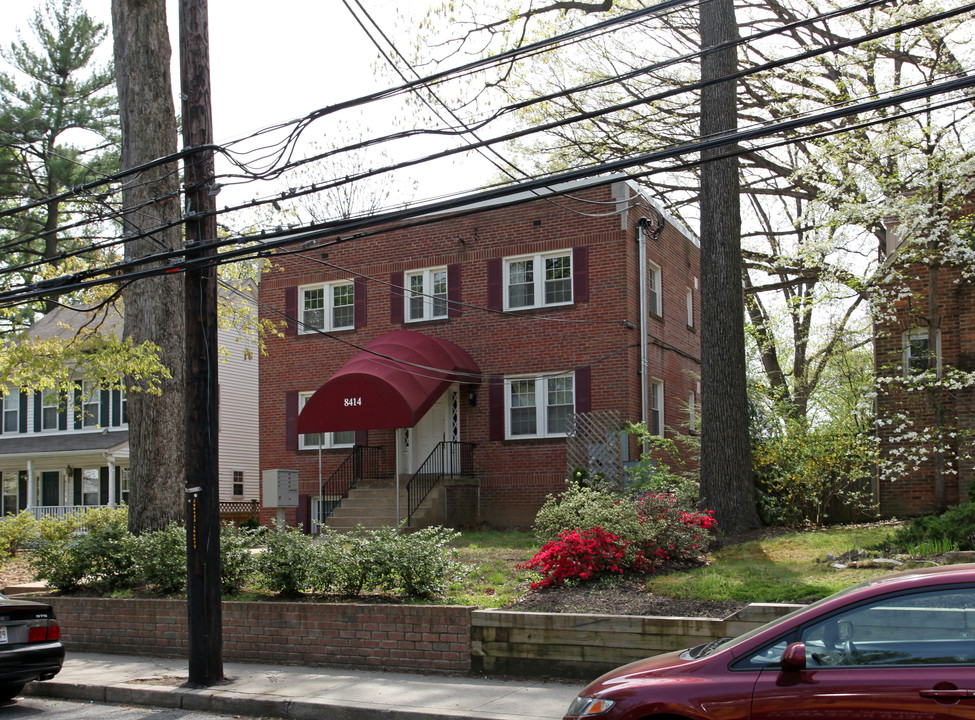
x,y
353,401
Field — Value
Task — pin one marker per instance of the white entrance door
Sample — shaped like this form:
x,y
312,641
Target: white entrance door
x,y
439,424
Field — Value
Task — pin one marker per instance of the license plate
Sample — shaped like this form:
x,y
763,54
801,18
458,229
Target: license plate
x,y
3,634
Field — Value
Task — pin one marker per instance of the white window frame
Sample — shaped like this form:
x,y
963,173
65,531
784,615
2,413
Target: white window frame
x,y
306,440
91,487
306,325
690,307
11,408
47,396
541,386
91,404
654,289
538,280
433,305
237,481
123,485
916,334
656,401
123,407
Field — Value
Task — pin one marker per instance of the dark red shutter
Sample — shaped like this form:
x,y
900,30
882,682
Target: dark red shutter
x,y
454,307
291,420
496,408
361,437
495,285
291,310
583,383
359,292
580,274
396,297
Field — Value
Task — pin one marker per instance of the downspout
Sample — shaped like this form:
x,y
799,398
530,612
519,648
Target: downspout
x,y
641,239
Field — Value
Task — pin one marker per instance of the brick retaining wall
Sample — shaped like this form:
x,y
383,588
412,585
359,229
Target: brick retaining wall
x,y
407,637
434,638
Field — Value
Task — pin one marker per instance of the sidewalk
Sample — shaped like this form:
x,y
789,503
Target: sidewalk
x,y
299,693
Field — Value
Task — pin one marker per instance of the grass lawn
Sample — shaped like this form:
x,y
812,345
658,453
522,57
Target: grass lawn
x,y
783,567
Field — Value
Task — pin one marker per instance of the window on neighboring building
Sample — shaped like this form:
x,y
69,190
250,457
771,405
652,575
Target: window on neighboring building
x,y
10,490
327,307
49,410
538,280
124,404
90,486
11,411
325,441
653,289
657,407
90,404
238,483
539,406
124,485
690,307
919,353
426,294
693,423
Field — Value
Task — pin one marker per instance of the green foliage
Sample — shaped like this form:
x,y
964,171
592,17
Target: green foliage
x,y
801,474
663,468
160,559
236,559
53,557
955,527
94,549
16,531
424,562
285,566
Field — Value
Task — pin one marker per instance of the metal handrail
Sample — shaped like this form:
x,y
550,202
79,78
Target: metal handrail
x,y
450,458
361,462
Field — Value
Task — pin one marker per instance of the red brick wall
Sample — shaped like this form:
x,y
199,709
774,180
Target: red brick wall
x,y
405,637
913,492
515,475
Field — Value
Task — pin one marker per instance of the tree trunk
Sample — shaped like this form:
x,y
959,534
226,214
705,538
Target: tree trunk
x,y
726,467
154,306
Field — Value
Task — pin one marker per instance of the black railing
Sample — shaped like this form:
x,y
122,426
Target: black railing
x,y
448,459
362,462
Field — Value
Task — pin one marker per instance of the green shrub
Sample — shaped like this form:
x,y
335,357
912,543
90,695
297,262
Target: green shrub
x,y
954,527
160,559
236,556
424,562
285,566
105,548
16,531
663,468
54,558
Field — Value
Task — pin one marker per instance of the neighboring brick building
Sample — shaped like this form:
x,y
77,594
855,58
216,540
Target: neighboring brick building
x,y
510,320
919,339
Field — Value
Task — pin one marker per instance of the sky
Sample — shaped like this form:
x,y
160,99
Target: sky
x,y
275,61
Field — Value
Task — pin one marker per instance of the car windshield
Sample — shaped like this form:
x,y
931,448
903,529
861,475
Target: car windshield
x,y
725,643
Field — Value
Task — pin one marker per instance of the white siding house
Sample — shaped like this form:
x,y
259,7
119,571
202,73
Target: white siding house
x,y
59,457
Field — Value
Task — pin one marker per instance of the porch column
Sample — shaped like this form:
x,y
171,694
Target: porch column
x,y
112,482
31,485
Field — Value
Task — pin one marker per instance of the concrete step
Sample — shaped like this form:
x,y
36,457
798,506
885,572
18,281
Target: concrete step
x,y
374,507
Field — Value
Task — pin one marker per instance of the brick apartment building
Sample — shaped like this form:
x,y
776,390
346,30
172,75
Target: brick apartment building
x,y
485,343
919,338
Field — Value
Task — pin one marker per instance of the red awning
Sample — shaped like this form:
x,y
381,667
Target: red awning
x,y
390,383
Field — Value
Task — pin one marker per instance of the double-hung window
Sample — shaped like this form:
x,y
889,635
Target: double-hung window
x,y
653,289
330,306
90,404
426,294
920,353
49,409
325,441
656,407
11,411
538,280
238,483
539,406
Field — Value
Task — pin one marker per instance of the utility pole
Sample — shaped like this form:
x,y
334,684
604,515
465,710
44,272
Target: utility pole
x,y
202,479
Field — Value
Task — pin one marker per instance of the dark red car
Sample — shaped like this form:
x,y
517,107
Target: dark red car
x,y
900,647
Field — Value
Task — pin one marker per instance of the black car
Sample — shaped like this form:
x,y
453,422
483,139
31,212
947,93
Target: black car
x,y
30,644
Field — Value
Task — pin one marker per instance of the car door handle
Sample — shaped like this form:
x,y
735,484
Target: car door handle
x,y
956,693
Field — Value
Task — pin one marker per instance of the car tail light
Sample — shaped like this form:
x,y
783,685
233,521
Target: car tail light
x,y
43,630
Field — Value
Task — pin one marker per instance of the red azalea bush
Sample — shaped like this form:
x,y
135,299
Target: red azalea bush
x,y
590,532
578,555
